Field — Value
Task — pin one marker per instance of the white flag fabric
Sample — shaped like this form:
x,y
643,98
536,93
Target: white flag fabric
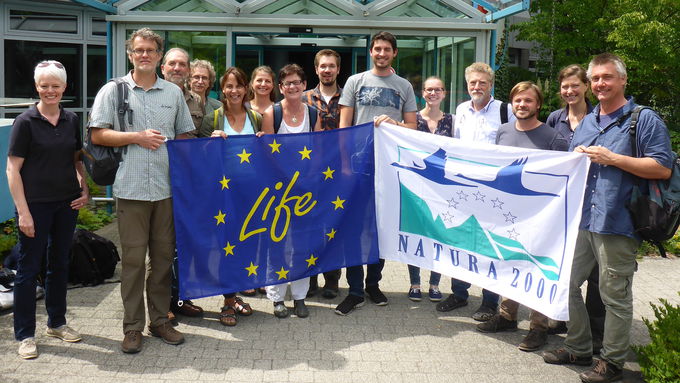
x,y
502,218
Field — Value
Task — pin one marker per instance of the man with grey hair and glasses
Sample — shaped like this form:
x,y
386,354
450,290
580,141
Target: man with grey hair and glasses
x,y
142,186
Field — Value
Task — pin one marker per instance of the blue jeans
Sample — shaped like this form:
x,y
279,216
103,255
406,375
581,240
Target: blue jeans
x,y
54,224
460,290
355,277
414,276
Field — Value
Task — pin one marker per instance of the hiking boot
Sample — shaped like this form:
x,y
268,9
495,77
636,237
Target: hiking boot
x,y
28,349
452,302
534,340
602,372
350,303
132,343
562,356
64,333
497,324
484,313
168,333
300,309
376,296
280,310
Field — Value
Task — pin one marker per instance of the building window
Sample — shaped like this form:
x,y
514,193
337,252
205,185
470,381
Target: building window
x,y
21,20
21,57
99,26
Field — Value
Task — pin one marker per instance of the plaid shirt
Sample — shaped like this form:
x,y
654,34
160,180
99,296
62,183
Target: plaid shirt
x,y
329,113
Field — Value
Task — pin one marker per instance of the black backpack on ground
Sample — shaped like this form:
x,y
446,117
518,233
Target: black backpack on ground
x,y
93,258
101,161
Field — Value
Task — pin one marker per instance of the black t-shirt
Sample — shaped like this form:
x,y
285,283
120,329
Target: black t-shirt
x,y
48,172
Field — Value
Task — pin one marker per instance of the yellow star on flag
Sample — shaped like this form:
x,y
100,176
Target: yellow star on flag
x,y
275,147
252,269
338,203
283,273
220,217
328,173
305,153
229,249
331,235
225,182
244,156
311,261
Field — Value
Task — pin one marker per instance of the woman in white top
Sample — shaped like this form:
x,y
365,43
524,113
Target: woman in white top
x,y
292,116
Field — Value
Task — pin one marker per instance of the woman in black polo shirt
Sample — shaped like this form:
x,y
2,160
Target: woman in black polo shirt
x,y
47,180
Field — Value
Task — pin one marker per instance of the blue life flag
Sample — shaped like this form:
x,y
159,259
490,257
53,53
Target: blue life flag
x,y
252,212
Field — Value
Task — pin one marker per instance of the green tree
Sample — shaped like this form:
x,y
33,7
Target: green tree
x,y
645,33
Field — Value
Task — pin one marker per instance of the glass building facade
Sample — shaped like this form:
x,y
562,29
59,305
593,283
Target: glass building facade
x,y
434,38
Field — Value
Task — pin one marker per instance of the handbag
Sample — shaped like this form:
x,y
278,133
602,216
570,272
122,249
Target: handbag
x,y
102,162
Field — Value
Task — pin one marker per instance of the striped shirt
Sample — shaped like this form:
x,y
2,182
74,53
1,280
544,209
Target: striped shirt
x,y
143,174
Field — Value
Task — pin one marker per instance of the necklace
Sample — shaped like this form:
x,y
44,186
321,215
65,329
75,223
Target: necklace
x,y
294,119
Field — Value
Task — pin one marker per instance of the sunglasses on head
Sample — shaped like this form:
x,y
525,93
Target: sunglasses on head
x,y
47,63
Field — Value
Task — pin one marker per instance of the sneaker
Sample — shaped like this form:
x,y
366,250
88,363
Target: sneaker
x,y
330,290
435,295
497,324
350,303
562,356
168,333
376,296
602,372
132,343
484,313
28,349
64,333
300,308
280,310
534,340
414,294
452,302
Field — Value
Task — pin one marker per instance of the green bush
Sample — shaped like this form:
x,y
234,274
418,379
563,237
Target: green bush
x,y
660,359
93,217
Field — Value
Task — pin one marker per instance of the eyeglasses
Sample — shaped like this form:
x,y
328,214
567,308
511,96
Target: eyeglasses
x,y
434,90
200,78
287,84
141,52
46,63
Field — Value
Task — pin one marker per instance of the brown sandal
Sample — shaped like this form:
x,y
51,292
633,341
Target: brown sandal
x,y
228,316
241,307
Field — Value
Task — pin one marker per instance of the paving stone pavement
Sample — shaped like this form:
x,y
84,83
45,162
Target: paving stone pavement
x,y
402,342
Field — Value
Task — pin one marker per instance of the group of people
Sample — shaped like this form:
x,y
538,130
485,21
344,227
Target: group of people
x,y
47,182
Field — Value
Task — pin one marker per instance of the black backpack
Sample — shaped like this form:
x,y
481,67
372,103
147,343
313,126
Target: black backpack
x,y
655,209
100,161
93,258
278,117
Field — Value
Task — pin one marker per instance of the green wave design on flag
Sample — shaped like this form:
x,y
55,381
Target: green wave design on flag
x,y
416,218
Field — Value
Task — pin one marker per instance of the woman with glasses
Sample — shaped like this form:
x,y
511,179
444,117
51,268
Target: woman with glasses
x,y
432,120
47,180
234,118
261,89
291,115
201,81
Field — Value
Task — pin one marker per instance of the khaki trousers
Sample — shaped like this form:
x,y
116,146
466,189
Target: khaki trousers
x,y
143,226
508,310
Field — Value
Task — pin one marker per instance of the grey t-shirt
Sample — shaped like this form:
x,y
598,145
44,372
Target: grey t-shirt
x,y
372,95
543,137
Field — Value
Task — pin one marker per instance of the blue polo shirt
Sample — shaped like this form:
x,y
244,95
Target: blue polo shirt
x,y
609,188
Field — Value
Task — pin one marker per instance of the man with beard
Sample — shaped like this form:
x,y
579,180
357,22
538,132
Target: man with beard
x,y
377,95
175,68
527,132
325,98
477,120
